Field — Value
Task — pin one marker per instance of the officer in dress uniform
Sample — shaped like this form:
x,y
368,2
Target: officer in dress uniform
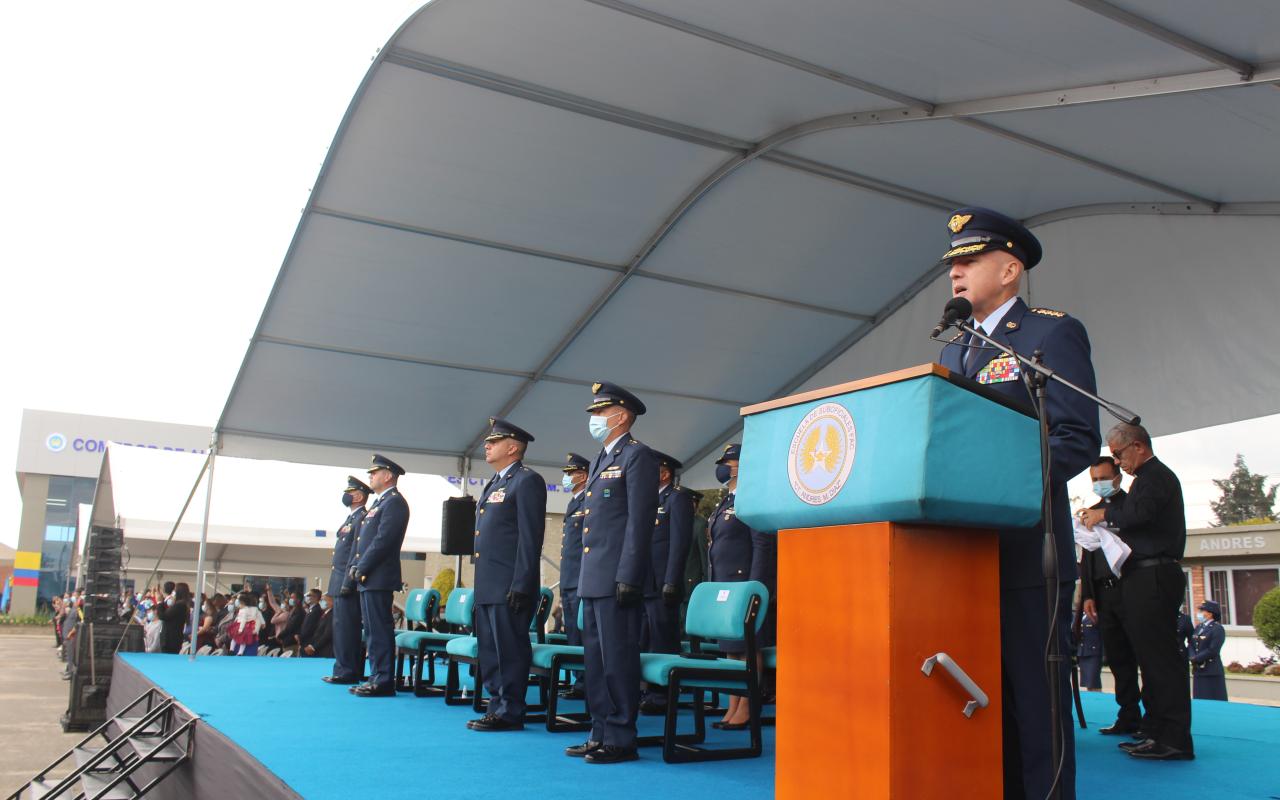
x,y
617,531
1209,681
988,254
510,522
1089,654
575,480
672,532
347,663
375,570
736,552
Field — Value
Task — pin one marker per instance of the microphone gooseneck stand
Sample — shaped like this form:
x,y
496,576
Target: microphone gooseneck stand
x,y
1037,377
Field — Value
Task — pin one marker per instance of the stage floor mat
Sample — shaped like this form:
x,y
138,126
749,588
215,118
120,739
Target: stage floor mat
x,y
324,743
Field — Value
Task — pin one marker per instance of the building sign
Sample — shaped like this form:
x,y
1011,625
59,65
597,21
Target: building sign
x,y
1242,541
53,443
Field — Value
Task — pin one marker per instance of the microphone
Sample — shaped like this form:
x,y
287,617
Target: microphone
x,y
957,308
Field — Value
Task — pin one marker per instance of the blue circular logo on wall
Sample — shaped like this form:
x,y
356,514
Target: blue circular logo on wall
x,y
56,442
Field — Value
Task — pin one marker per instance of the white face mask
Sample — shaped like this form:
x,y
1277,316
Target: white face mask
x,y
1104,489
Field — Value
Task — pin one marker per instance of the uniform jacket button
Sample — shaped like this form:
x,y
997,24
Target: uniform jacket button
x,y
586,549
588,494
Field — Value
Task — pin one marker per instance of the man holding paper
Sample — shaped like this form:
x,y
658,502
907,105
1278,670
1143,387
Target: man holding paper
x,y
1100,596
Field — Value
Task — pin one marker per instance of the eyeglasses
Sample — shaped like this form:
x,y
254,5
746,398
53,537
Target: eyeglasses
x,y
1116,453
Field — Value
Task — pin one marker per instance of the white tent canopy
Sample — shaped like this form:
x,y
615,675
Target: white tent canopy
x,y
717,202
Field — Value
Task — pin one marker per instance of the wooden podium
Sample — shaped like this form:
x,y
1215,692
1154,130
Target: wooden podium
x,y
888,678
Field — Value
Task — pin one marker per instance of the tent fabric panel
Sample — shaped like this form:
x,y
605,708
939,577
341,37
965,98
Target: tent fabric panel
x,y
973,167
294,391
334,293
643,339
1247,29
943,51
782,233
1227,142
440,154
608,56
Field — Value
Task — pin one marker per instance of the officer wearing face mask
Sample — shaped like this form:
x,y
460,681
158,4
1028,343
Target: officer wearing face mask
x,y
737,553
1101,601
617,532
1209,681
575,480
347,661
672,531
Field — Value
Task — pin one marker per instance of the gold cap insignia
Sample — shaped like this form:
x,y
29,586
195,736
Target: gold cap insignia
x,y
595,387
1011,324
491,421
958,222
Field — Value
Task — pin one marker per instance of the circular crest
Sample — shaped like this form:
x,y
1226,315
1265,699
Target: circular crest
x,y
56,442
821,454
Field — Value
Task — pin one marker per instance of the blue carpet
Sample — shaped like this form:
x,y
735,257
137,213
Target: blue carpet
x,y
326,744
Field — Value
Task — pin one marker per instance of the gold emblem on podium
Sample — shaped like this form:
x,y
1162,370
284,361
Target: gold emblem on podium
x,y
821,455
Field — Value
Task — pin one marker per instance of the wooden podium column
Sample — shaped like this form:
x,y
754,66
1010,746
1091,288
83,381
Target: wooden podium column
x,y
863,607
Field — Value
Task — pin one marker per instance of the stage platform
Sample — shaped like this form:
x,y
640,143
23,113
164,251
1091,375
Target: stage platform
x,y
272,726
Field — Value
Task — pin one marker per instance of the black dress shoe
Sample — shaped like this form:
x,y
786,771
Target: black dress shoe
x,y
335,679
580,750
489,722
1154,751
1131,746
734,726
1117,729
370,690
651,709
611,754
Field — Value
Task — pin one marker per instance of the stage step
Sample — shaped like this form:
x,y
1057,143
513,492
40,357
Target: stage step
x,y
106,755
94,782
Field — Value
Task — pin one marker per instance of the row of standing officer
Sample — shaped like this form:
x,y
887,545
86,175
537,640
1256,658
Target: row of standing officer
x,y
364,576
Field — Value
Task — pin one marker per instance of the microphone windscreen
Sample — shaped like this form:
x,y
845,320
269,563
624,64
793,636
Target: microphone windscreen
x,y
958,308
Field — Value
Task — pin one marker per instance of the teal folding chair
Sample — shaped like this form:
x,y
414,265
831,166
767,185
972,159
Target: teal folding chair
x,y
538,625
730,610
550,663
421,647
419,610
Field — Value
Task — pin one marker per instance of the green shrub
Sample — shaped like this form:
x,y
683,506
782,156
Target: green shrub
x,y
25,619
1266,619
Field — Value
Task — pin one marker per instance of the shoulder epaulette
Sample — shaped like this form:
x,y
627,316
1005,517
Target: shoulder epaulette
x,y
1047,312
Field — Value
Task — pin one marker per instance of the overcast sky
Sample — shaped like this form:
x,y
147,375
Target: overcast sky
x,y
155,159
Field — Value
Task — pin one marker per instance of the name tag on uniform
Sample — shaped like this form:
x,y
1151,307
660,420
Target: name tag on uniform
x,y
1000,370
661,511
498,496
611,473
579,514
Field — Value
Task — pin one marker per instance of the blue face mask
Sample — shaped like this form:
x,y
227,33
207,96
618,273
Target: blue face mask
x,y
1200,617
292,602
324,604
1104,489
598,426
346,499
567,483
723,473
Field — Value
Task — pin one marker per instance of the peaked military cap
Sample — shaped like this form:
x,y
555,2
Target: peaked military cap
x,y
977,230
354,484
574,462
1212,607
501,429
732,452
667,461
382,462
611,394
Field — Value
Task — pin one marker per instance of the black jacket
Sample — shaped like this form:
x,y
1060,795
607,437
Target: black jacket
x,y
1152,520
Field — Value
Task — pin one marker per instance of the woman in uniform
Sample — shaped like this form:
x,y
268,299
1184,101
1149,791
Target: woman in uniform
x,y
738,553
1210,682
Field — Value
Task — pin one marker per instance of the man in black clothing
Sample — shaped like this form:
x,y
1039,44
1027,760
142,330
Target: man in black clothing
x,y
321,644
311,619
1152,522
1100,595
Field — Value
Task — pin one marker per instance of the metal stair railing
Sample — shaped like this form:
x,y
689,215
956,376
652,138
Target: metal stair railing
x,y
158,722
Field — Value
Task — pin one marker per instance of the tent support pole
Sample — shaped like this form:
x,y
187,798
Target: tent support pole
x,y
464,462
204,539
